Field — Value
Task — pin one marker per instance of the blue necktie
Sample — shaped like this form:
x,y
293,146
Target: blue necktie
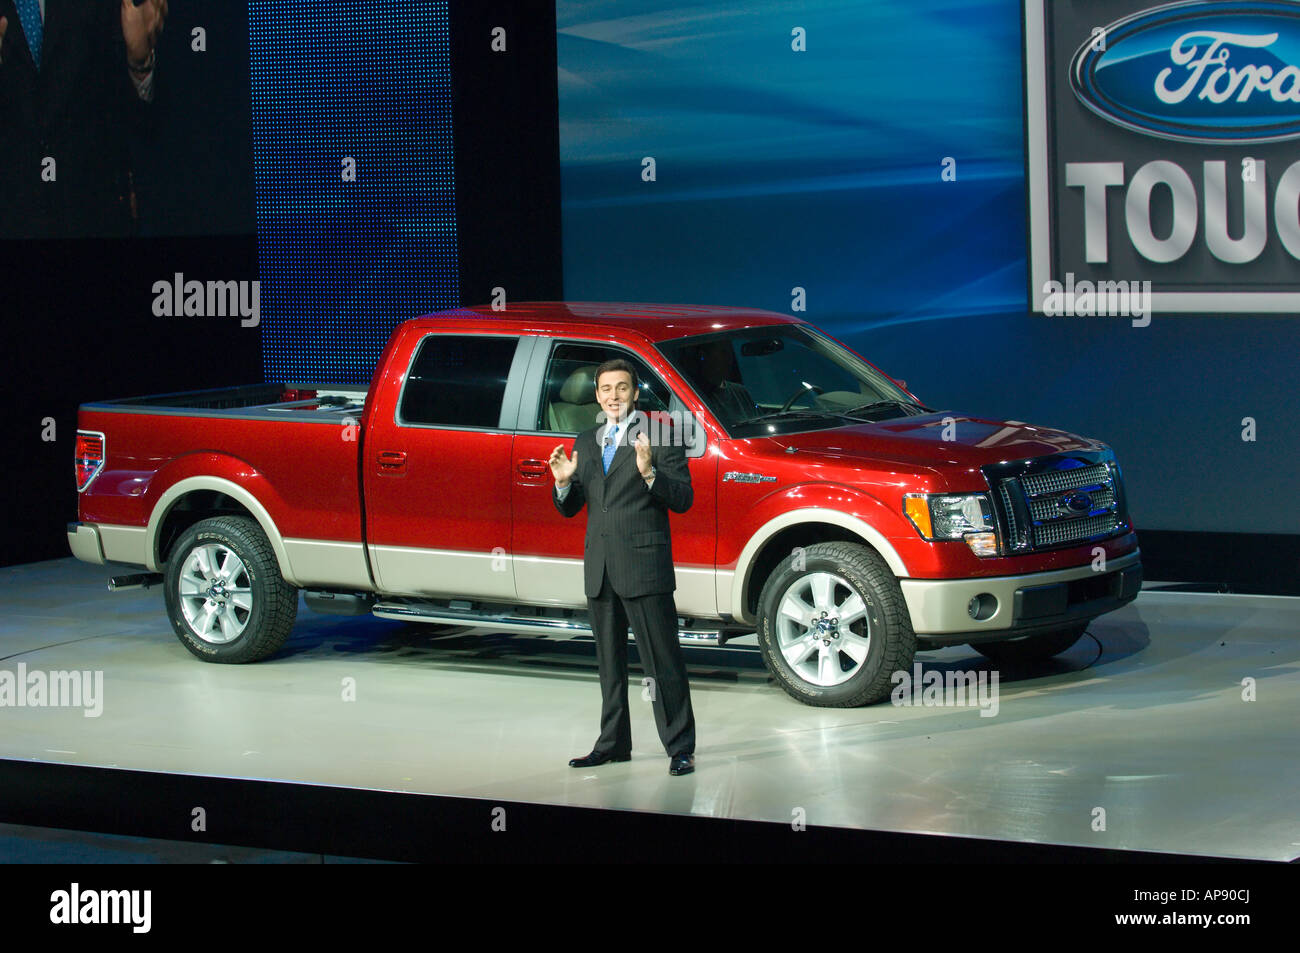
x,y
611,441
29,14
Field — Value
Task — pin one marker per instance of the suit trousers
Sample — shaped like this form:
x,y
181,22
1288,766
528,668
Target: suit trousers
x,y
653,620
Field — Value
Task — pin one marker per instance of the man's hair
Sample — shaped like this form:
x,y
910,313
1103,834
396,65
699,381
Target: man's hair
x,y
617,364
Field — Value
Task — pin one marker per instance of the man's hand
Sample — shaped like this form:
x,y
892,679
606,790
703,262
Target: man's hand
x,y
643,462
140,28
4,25
562,468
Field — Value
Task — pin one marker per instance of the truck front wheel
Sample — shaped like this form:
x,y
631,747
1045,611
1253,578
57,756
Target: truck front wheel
x,y
833,626
225,596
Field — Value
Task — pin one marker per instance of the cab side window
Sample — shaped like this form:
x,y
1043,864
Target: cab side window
x,y
458,380
569,396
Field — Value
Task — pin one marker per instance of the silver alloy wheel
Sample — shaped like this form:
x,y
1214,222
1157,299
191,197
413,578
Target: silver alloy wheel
x,y
821,621
215,593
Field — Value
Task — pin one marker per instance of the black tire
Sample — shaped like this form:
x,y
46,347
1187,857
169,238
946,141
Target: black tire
x,y
1032,648
883,629
205,607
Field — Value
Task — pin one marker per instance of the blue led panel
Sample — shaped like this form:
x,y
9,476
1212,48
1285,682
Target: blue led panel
x,y
342,261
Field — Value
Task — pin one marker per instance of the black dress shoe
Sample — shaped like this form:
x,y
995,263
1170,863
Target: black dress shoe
x,y
597,757
681,764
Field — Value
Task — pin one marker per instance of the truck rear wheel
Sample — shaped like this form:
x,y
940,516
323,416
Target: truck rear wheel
x,y
1032,648
833,626
225,596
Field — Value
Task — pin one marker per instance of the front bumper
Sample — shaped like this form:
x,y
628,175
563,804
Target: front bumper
x,y
1021,605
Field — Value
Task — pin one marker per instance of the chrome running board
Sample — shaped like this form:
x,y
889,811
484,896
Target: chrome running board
x,y
502,619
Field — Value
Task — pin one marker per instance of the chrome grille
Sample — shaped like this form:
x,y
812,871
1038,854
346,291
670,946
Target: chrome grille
x,y
1056,481
1053,502
1072,530
1017,537
1046,508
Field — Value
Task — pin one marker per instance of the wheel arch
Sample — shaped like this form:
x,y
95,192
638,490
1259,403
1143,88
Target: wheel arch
x,y
196,498
773,541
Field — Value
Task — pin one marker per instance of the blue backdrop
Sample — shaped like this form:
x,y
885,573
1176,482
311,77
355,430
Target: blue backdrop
x,y
822,169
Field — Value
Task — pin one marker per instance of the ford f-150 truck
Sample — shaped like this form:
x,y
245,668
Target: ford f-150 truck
x,y
836,516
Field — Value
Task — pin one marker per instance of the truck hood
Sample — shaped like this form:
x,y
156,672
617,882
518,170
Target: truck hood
x,y
920,442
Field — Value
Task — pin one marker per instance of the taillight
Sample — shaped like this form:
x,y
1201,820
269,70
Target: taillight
x,y
89,457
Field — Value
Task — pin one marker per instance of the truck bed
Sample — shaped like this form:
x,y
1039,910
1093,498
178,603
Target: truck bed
x,y
286,450
314,402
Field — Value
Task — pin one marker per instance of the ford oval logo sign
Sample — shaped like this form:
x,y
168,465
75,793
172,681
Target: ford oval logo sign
x,y
1210,72
1076,502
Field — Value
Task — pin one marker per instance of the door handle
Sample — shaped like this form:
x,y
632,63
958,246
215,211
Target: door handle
x,y
534,468
392,461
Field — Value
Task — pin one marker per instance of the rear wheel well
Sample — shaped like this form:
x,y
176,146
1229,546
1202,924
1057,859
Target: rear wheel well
x,y
781,545
192,508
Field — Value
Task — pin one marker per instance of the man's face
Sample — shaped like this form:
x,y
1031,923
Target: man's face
x,y
615,394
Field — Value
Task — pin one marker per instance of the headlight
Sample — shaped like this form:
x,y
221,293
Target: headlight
x,y
942,516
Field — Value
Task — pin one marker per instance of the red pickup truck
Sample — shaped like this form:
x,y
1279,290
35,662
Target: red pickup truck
x,y
835,515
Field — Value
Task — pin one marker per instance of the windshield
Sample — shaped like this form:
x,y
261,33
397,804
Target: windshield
x,y
782,379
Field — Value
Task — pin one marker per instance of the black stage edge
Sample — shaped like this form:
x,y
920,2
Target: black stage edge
x,y
505,119
1254,563
428,828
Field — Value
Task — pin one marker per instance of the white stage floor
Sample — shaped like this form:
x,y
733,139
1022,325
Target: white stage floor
x,y
1143,719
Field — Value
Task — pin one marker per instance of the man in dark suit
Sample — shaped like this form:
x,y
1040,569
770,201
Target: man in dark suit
x,y
75,76
628,487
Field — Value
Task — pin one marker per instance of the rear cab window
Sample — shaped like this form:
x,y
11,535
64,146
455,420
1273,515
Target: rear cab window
x,y
464,381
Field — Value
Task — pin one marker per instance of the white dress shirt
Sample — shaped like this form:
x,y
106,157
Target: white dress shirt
x,y
562,491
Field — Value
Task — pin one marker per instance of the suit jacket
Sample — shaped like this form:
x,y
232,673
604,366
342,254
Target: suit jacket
x,y
627,522
80,108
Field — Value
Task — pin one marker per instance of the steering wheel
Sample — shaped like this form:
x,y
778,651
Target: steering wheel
x,y
799,393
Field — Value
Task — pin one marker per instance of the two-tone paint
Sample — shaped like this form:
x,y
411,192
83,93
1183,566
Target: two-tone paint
x,y
366,502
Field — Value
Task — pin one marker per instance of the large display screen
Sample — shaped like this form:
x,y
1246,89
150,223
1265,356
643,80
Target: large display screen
x,y
323,128
92,146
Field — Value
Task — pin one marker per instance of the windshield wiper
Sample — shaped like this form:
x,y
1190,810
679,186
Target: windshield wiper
x,y
803,412
906,405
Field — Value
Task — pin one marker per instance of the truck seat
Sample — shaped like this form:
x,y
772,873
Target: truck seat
x,y
575,408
